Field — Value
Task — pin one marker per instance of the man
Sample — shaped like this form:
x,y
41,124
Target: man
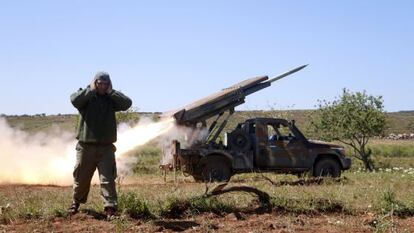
x,y
97,105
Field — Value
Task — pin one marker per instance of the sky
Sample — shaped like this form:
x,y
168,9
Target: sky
x,y
165,54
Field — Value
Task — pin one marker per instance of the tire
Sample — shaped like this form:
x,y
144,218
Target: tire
x,y
198,178
239,141
327,167
216,169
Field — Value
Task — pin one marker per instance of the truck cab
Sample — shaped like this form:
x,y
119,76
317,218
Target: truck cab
x,y
277,144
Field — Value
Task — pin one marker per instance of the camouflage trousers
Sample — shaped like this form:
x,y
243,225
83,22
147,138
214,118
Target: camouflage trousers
x,y
89,157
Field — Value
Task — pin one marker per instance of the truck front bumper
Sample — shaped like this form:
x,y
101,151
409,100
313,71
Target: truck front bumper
x,y
346,163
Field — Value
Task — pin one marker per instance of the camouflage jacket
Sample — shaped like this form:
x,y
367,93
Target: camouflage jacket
x,y
97,123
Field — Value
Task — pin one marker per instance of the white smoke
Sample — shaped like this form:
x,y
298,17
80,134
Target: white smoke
x,y
130,138
187,136
50,158
35,159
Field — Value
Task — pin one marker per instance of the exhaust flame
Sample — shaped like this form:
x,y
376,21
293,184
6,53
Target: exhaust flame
x,y
50,159
145,131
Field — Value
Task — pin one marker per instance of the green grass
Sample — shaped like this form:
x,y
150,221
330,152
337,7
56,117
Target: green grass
x,y
148,159
379,193
26,202
388,154
134,206
388,190
393,150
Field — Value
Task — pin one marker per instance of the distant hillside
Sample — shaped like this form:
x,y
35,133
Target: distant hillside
x,y
42,123
399,122
406,111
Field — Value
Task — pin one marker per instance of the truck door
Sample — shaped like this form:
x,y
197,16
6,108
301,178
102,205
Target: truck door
x,y
261,156
279,148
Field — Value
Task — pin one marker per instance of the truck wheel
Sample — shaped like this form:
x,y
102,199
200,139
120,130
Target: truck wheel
x,y
216,169
327,167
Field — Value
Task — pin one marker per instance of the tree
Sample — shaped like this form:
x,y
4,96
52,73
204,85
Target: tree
x,y
352,118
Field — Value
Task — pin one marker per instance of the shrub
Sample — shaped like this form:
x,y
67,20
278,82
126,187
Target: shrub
x,y
133,206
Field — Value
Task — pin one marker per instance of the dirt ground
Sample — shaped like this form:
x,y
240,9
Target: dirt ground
x,y
240,222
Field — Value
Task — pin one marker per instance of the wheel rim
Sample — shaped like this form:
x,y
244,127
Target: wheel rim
x,y
327,171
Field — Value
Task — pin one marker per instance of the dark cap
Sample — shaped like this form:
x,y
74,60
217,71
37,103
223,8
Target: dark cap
x,y
104,76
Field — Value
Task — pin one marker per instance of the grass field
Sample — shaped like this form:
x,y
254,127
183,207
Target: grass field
x,y
381,201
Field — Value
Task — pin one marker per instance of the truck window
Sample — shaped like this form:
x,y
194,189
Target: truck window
x,y
271,132
285,133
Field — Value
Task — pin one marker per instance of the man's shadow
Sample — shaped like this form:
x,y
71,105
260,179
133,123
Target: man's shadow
x,y
95,214
176,225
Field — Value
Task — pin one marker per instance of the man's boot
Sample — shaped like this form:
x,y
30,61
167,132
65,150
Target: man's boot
x,y
110,212
74,209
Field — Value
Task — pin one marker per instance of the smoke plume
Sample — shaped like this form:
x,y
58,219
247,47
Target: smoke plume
x,y
50,158
187,136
